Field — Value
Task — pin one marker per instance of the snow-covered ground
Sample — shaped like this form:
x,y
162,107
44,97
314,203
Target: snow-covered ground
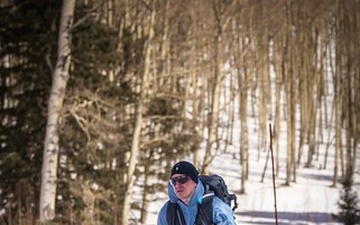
x,y
311,200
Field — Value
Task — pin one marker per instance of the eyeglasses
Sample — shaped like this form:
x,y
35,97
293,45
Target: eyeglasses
x,y
180,179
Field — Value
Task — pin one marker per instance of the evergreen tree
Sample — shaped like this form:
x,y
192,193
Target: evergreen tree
x,y
27,44
349,212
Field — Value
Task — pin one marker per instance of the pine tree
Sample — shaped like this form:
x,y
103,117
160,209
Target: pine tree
x,y
349,212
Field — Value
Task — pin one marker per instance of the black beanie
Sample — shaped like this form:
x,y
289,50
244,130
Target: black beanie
x,y
186,168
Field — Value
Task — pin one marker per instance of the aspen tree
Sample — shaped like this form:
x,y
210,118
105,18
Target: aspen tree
x,y
51,145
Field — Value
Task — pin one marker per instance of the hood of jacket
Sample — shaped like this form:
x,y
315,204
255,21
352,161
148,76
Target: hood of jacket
x,y
190,210
199,191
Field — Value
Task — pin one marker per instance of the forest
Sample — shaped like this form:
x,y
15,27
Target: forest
x,y
98,99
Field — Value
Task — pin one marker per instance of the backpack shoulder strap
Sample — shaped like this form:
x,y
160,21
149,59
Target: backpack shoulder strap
x,y
174,214
205,210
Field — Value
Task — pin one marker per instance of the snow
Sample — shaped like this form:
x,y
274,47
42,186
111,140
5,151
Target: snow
x,y
309,200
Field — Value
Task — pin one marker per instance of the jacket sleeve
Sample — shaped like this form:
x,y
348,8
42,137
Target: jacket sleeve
x,y
161,220
222,213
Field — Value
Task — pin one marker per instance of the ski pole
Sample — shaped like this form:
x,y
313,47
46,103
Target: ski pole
x,y
273,173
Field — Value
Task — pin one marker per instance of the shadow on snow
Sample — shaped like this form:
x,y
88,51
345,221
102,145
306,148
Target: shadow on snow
x,y
285,218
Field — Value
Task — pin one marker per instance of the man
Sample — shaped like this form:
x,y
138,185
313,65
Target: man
x,y
185,189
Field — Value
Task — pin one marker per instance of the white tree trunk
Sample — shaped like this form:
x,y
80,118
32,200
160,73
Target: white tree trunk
x,y
51,145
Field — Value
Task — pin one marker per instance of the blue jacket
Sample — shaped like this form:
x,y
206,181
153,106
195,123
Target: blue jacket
x,y
222,213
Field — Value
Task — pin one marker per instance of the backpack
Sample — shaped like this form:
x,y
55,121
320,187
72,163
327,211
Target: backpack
x,y
213,185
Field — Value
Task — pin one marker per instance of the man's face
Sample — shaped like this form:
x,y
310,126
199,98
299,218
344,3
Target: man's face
x,y
184,187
